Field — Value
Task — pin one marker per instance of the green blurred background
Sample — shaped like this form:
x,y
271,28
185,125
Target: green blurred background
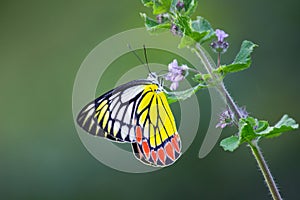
x,y
42,44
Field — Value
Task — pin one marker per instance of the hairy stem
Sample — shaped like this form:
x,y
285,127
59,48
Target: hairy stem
x,y
265,171
219,60
210,66
229,100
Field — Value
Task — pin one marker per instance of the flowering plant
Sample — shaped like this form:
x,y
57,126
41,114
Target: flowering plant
x,y
175,16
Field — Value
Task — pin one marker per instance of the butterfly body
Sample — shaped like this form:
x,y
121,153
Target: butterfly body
x,y
138,113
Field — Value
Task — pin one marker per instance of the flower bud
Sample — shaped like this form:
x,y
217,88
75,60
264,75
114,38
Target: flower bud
x,y
179,5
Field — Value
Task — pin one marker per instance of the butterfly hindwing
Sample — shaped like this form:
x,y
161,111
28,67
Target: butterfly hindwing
x,y
136,112
160,143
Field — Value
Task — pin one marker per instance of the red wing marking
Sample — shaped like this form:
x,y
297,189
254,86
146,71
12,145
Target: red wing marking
x,y
175,144
138,134
154,156
146,149
170,151
161,155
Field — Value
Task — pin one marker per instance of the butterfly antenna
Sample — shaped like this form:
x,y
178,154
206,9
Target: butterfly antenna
x,y
146,58
137,56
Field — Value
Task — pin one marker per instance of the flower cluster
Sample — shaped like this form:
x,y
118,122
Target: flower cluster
x,y
174,30
162,18
176,73
220,45
226,119
179,5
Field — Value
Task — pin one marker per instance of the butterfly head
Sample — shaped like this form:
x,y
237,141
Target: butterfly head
x,y
155,78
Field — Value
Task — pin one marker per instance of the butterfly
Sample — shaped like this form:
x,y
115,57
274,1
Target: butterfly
x,y
138,113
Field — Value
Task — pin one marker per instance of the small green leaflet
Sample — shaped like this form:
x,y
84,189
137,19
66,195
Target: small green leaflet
x,y
251,129
241,62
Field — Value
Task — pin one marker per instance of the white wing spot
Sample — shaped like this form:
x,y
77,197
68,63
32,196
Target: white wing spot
x,y
114,110
127,115
146,130
113,103
116,128
114,95
131,93
88,115
109,126
120,113
132,135
124,132
89,107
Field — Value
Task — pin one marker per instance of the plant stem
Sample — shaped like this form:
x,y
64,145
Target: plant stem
x,y
210,66
229,100
219,60
265,171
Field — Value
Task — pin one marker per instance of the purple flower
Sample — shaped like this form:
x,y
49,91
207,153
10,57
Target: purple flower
x,y
220,45
174,86
243,112
176,73
226,119
174,29
159,18
179,5
162,18
221,35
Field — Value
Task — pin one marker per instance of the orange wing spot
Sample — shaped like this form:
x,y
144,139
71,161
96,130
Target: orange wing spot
x,y
146,148
170,151
138,134
154,156
161,155
175,144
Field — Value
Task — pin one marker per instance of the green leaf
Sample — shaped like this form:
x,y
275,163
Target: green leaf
x,y
241,62
193,31
246,129
161,6
173,6
203,79
158,6
184,24
153,26
246,134
283,125
231,143
251,129
201,25
190,6
173,97
245,52
261,126
191,39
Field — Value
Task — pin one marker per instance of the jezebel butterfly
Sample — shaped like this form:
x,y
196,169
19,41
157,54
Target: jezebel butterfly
x,y
138,113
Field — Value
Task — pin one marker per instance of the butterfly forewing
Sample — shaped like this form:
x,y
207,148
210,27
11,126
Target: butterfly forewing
x,y
136,112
